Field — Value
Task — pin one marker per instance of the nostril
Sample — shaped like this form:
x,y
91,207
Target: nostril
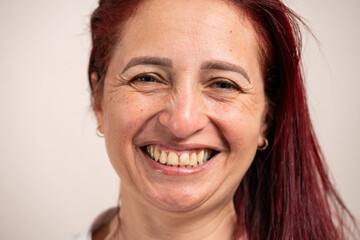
x,y
183,117
164,119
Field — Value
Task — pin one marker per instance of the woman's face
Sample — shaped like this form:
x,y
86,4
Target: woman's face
x,y
184,85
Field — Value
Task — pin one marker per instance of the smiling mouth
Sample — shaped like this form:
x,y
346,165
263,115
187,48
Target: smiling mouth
x,y
188,159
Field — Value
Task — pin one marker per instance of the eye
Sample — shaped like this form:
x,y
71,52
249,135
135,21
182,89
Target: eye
x,y
224,84
149,83
146,78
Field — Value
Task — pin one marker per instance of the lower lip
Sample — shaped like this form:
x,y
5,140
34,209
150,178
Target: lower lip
x,y
174,171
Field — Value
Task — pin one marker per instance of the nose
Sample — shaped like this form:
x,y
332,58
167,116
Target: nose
x,y
185,114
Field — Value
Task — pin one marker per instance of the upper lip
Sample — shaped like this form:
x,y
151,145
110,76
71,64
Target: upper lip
x,y
182,146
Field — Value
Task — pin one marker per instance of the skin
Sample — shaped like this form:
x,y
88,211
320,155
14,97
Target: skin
x,y
182,107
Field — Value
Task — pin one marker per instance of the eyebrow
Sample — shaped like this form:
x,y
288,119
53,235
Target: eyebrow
x,y
165,62
220,65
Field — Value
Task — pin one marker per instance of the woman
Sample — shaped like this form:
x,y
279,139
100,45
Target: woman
x,y
204,115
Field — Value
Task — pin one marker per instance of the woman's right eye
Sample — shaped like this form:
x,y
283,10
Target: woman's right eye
x,y
144,78
148,82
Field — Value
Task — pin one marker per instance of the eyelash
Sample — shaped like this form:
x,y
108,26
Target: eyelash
x,y
227,85
143,76
222,84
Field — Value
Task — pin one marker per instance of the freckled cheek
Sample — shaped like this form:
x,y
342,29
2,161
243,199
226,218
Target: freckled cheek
x,y
123,118
131,113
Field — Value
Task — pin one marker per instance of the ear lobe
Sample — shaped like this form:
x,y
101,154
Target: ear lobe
x,y
263,129
94,80
262,135
96,100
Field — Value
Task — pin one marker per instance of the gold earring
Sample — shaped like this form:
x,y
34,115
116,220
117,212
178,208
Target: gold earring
x,y
264,147
99,133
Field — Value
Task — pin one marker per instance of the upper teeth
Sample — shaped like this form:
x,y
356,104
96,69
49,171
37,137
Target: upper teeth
x,y
173,159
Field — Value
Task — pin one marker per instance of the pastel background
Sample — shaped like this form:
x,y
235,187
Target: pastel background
x,y
54,173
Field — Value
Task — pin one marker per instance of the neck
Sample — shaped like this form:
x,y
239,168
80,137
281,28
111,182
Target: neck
x,y
143,221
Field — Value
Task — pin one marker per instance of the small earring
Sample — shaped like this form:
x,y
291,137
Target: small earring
x,y
99,133
264,147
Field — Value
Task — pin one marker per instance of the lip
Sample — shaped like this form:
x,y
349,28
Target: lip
x,y
174,171
182,147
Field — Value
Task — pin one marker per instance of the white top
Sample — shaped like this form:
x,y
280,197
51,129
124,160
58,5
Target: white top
x,y
100,221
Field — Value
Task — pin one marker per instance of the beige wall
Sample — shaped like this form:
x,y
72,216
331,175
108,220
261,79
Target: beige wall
x,y
54,172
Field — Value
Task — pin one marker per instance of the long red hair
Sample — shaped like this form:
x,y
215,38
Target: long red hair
x,y
286,193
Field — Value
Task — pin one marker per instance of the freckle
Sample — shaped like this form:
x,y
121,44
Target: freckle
x,y
230,50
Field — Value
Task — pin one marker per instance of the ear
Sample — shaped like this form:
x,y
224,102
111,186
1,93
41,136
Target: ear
x,y
263,128
97,101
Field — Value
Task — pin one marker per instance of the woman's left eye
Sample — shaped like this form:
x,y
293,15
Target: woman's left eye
x,y
225,85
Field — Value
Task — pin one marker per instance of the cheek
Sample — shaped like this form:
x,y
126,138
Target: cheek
x,y
240,124
126,114
123,113
241,130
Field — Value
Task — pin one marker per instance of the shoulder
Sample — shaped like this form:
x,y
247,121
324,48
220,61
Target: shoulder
x,y
104,218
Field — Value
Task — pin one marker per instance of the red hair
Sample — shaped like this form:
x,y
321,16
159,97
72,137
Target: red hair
x,y
286,193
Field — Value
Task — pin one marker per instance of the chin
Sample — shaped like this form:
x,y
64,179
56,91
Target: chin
x,y
175,197
176,201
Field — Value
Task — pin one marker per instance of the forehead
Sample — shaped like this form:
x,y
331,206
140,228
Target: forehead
x,y
185,28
